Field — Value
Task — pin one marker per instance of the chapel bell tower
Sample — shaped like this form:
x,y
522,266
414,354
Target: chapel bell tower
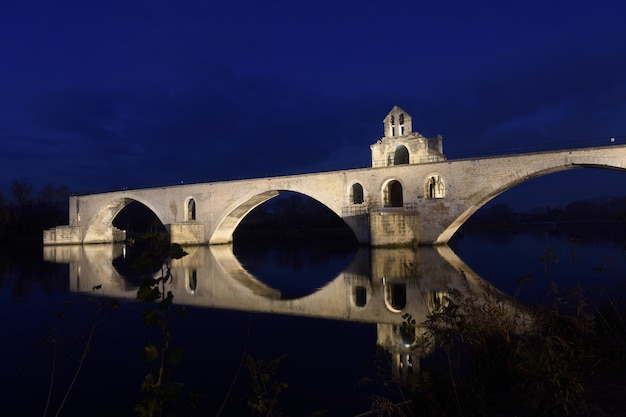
x,y
397,123
400,145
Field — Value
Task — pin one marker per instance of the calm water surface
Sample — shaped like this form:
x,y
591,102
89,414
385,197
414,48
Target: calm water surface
x,y
325,308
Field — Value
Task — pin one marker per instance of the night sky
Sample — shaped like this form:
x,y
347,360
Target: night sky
x,y
100,95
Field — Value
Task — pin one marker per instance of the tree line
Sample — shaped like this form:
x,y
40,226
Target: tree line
x,y
604,210
30,211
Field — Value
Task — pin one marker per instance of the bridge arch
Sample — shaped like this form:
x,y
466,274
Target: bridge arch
x,y
525,173
100,227
226,226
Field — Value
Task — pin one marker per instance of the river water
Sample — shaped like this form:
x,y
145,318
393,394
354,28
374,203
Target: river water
x,y
327,309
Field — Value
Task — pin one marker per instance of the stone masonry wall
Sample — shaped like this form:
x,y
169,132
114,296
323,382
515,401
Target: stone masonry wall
x,y
389,228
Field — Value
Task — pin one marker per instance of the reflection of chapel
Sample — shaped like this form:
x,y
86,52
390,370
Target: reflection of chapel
x,y
401,145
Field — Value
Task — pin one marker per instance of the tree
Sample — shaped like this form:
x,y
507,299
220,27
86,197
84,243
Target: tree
x,y
22,192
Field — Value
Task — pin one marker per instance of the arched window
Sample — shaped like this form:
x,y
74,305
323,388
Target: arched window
x,y
401,156
191,209
395,297
401,123
434,187
393,195
357,193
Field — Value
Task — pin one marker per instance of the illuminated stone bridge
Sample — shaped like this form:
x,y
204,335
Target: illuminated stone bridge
x,y
410,194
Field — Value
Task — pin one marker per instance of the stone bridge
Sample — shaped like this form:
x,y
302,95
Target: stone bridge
x,y
411,194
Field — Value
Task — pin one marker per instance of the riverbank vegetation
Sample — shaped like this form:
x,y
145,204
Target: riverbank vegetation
x,y
565,358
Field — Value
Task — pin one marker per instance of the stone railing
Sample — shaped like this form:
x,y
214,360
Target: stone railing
x,y
360,209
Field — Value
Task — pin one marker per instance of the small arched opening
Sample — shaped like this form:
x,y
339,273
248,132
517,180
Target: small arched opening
x,y
356,194
434,187
393,194
401,155
191,209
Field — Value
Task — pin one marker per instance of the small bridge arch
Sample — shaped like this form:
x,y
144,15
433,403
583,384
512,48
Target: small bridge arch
x,y
100,223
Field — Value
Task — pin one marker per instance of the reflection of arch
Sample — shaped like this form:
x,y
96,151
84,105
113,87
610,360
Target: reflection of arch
x,y
191,280
434,187
407,334
437,301
359,294
401,156
191,209
356,194
392,194
395,296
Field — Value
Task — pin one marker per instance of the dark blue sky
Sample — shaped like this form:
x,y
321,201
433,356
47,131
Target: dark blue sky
x,y
135,93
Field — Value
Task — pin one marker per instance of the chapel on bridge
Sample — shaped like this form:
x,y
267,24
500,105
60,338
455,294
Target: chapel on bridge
x,y
400,145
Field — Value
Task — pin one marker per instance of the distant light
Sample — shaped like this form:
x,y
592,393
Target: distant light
x,y
612,140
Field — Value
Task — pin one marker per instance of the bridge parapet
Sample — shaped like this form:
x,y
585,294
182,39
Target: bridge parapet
x,y
356,210
425,159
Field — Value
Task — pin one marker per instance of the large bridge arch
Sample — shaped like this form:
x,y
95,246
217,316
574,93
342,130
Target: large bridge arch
x,y
525,173
226,225
100,226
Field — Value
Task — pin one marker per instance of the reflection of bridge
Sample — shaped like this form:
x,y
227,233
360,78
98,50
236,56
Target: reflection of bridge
x,y
379,286
410,194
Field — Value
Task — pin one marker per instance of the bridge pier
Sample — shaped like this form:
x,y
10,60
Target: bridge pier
x,y
74,235
186,233
393,228
63,235
360,226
